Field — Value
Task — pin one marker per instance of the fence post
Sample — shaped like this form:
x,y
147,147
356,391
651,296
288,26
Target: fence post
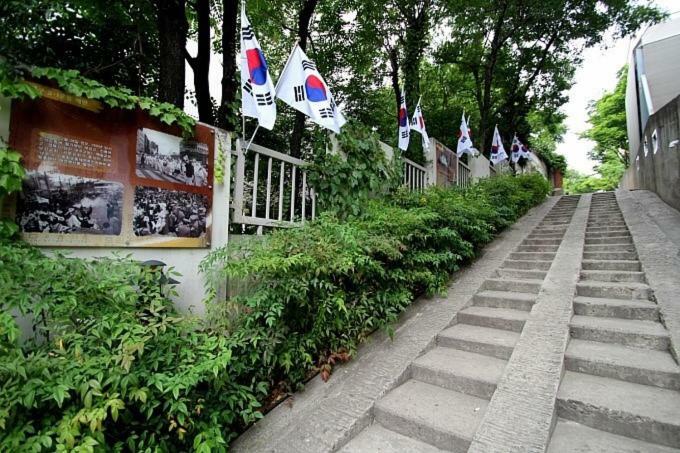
x,y
238,183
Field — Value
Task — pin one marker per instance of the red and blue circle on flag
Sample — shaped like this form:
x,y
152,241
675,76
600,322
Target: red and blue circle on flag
x,y
316,90
402,117
257,66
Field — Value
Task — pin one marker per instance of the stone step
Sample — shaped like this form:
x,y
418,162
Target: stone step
x,y
614,290
613,276
627,332
542,241
504,299
610,240
431,414
605,229
461,371
641,366
617,256
590,226
570,436
616,308
377,438
527,274
518,286
643,412
545,236
609,247
495,318
527,264
540,256
481,340
612,265
537,248
599,234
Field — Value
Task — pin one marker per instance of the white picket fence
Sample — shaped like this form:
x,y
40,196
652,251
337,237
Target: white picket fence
x,y
415,176
279,197
270,188
464,175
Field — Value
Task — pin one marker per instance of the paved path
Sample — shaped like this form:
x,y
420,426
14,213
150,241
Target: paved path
x,y
562,340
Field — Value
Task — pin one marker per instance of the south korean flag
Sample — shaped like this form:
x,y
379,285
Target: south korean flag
x,y
302,87
516,149
257,88
464,140
404,126
418,125
498,153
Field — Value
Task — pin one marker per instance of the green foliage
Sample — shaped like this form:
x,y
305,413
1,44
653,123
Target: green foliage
x,y
344,182
547,131
320,289
607,117
11,175
115,97
608,178
111,365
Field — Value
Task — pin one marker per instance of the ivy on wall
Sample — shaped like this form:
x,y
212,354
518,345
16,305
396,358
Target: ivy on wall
x,y
13,84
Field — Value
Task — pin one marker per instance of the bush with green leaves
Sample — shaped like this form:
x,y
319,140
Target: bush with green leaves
x,y
110,365
320,289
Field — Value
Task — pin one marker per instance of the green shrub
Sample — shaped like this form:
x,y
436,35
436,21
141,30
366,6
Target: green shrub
x,y
320,289
112,366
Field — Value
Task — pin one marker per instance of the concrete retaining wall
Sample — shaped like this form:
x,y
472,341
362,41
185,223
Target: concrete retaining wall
x,y
656,164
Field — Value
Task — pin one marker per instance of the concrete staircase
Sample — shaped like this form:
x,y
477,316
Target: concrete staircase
x,y
621,388
444,396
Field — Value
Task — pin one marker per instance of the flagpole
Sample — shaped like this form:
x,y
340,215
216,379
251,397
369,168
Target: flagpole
x,y
276,88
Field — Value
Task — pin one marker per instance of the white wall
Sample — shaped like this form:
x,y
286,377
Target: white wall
x,y
479,167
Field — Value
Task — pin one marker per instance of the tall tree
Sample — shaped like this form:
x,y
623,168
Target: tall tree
x,y
607,118
112,41
200,64
303,32
230,84
172,38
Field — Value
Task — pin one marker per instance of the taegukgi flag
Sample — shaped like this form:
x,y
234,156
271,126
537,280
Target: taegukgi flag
x,y
524,151
498,153
257,89
418,125
516,149
464,140
404,125
302,87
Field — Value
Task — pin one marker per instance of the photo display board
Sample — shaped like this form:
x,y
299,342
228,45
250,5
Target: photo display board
x,y
446,164
99,177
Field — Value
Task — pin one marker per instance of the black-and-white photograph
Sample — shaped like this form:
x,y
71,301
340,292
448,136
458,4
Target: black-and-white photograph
x,y
169,213
58,203
165,157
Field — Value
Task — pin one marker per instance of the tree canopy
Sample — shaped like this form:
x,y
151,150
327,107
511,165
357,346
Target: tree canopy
x,y
503,62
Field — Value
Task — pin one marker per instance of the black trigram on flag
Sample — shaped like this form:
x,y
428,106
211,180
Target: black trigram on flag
x,y
308,65
414,121
299,92
404,134
264,99
326,113
247,33
248,88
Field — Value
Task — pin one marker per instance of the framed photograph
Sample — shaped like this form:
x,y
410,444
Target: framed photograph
x,y
169,213
54,202
165,157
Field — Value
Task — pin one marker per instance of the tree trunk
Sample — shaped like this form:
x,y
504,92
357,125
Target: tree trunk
x,y
304,19
394,74
415,41
201,64
227,117
172,36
